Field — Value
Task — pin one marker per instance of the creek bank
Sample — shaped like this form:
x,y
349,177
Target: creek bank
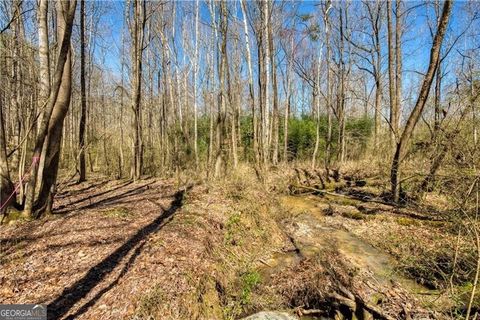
x,y
333,273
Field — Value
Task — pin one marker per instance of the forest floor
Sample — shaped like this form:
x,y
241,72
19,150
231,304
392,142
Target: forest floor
x,y
157,249
118,250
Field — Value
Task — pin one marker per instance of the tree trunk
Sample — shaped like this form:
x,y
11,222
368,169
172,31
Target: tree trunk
x,y
49,174
391,76
220,164
377,71
341,100
261,100
250,83
63,56
378,106
316,101
138,31
6,186
275,115
211,78
329,85
420,103
17,77
44,57
287,108
83,110
195,71
266,109
398,67
438,110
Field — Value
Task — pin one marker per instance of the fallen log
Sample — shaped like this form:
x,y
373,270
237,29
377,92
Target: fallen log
x,y
324,192
396,209
310,312
360,305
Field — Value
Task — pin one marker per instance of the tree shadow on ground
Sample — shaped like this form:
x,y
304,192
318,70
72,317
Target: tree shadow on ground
x,y
80,289
114,199
10,243
69,193
64,208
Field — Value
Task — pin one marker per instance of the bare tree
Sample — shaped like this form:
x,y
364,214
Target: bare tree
x,y
415,114
328,141
266,108
137,29
391,75
62,67
395,121
44,56
288,92
6,186
275,113
195,72
220,161
371,53
250,82
316,101
83,94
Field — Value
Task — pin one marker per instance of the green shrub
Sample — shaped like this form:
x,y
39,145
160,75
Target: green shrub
x,y
250,280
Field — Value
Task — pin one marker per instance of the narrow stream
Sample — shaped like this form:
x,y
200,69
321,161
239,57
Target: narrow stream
x,y
311,235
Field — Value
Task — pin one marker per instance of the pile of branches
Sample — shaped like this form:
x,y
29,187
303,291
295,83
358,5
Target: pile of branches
x,y
328,286
322,181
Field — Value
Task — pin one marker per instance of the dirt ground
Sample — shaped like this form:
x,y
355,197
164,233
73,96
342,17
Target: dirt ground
x,y
146,250
102,250
159,250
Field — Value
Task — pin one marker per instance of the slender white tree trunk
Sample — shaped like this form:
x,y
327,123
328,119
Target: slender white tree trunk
x,y
250,82
266,124
195,71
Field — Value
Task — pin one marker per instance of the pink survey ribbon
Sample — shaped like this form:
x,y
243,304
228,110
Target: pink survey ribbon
x,y
34,162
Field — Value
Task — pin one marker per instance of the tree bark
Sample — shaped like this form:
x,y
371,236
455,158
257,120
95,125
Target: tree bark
x,y
44,202
6,186
329,85
391,76
266,108
341,95
44,57
376,26
250,83
437,99
220,163
83,110
211,56
261,88
420,103
43,133
138,31
195,71
275,115
51,155
288,106
398,67
316,101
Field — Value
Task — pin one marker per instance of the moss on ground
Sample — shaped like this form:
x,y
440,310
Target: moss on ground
x,y
117,212
352,214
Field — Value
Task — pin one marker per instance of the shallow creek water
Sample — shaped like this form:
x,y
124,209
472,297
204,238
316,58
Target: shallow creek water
x,y
311,235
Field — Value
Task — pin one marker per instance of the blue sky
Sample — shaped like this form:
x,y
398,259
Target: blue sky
x,y
417,39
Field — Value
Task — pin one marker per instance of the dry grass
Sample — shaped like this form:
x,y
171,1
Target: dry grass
x,y
430,252
238,217
423,238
